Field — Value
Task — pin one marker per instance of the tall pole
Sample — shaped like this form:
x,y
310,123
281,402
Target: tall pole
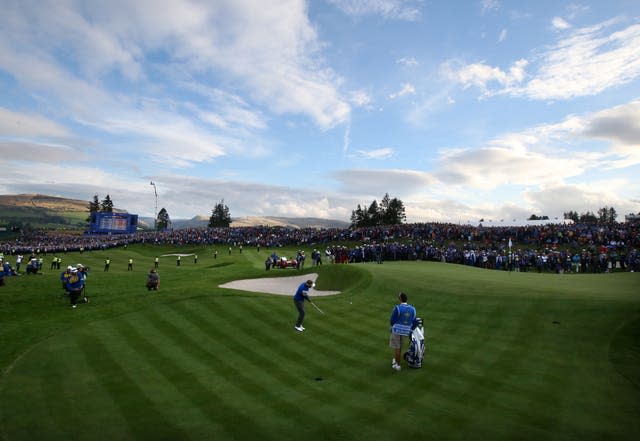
x,y
155,219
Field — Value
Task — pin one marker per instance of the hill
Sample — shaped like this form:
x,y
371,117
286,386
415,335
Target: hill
x,y
39,201
255,221
42,211
266,221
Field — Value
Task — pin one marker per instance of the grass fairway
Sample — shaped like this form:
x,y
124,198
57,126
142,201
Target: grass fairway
x,y
520,356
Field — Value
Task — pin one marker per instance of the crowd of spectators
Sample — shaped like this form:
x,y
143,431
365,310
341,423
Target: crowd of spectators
x,y
552,247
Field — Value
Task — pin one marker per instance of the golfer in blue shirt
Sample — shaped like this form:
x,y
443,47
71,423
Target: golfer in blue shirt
x,y
75,285
299,297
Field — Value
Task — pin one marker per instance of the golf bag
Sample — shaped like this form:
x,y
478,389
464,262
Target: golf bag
x,y
415,354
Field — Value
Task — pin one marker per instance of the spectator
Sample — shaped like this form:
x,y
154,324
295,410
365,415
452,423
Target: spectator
x,y
153,280
402,321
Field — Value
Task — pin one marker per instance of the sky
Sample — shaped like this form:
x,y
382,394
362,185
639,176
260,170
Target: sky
x,y
463,109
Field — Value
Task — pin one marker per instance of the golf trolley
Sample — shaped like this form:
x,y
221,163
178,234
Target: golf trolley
x,y
415,354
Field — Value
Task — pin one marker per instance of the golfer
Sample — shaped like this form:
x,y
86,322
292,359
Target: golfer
x,y
402,322
75,285
299,297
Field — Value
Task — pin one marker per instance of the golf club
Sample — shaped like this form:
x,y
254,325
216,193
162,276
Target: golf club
x,y
316,306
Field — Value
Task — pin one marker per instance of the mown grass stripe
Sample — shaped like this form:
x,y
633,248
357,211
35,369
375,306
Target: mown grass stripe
x,y
247,374
225,331
521,344
375,407
315,398
194,401
144,418
161,353
47,411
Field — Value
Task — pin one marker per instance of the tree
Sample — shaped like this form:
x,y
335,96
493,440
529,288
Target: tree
x,y
603,214
394,214
163,222
220,216
612,215
588,217
373,212
357,217
389,212
107,205
573,215
383,209
94,207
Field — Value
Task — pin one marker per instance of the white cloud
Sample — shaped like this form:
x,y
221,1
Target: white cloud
x,y
374,183
360,98
245,198
382,153
482,75
503,36
407,89
390,9
586,62
17,124
575,10
227,110
489,5
271,51
620,127
549,154
70,179
407,62
560,23
557,199
31,152
574,67
492,167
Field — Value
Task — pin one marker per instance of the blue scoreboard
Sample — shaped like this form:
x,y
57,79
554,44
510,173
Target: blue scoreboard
x,y
113,223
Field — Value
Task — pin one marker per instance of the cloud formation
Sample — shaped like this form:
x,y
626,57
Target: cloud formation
x,y
570,68
299,108
391,9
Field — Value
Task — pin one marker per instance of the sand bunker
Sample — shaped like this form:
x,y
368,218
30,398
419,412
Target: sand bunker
x,y
285,286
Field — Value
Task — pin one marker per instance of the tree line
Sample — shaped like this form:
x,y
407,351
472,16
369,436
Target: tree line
x,y
390,211
220,216
605,215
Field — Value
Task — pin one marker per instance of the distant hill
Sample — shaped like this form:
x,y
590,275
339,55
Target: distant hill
x,y
266,221
296,222
42,211
40,201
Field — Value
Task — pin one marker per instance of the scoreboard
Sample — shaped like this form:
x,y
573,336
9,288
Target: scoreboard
x,y
114,223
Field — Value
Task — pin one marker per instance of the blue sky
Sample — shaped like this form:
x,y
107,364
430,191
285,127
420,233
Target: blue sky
x,y
462,109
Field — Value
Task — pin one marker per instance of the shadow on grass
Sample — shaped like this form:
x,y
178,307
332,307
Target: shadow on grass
x,y
219,265
624,351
